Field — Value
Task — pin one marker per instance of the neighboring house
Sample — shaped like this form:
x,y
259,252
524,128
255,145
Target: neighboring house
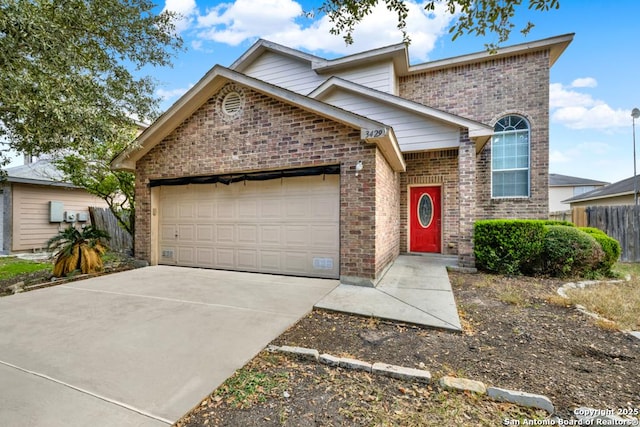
x,y
35,204
618,193
562,187
289,163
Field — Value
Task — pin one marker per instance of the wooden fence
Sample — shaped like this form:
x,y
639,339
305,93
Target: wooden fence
x,y
620,222
104,219
578,216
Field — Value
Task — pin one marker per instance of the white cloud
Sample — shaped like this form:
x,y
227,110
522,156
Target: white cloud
x,y
233,23
185,8
166,95
578,110
599,116
557,156
580,151
584,82
196,44
560,97
281,21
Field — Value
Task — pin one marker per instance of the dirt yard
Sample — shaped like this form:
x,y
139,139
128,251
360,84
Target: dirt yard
x,y
513,338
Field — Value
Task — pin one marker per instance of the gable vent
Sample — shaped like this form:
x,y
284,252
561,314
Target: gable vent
x,y
232,103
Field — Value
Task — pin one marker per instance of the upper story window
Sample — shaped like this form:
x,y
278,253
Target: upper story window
x,y
583,189
510,158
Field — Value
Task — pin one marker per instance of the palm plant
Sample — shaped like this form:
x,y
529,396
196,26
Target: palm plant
x,y
78,250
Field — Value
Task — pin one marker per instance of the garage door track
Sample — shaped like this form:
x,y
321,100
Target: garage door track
x,y
138,348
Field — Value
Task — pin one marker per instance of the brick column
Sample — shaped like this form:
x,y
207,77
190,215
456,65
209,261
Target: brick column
x,y
466,199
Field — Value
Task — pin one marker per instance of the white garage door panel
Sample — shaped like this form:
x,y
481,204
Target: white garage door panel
x,y
285,226
204,233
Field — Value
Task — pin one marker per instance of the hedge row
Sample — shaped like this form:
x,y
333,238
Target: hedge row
x,y
533,247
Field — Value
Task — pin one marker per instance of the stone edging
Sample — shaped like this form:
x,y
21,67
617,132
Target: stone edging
x,y
583,415
562,291
411,374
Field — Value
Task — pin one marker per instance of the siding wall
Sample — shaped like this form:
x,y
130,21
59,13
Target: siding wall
x,y
414,132
286,72
379,76
297,75
557,195
31,226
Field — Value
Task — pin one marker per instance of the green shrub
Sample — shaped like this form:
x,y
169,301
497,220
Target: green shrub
x,y
609,245
558,222
569,251
508,246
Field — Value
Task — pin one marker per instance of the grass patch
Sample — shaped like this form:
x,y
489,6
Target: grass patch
x,y
251,385
514,295
618,303
12,267
632,269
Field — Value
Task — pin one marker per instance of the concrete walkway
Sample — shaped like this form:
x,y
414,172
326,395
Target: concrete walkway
x,y
415,289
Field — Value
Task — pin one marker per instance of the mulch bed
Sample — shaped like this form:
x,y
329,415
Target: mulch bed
x,y
514,338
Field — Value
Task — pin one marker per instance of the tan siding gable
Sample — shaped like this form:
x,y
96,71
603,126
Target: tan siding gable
x,y
289,73
379,76
298,75
31,226
413,131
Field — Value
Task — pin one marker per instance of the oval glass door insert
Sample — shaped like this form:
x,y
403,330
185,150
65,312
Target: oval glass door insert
x,y
425,210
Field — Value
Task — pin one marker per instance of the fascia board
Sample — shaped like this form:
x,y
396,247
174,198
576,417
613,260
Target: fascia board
x,y
397,53
556,45
261,46
48,183
605,196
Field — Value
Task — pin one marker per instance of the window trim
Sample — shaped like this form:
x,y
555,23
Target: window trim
x,y
528,168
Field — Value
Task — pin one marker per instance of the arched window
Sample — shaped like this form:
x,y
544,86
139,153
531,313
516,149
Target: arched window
x,y
510,158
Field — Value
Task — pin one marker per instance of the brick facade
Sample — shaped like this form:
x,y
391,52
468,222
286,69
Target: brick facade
x,y
387,213
484,91
270,134
433,168
467,200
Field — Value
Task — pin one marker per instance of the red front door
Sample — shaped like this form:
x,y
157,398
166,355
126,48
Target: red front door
x,y
424,219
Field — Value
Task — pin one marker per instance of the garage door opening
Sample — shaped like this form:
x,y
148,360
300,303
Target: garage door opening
x,y
289,225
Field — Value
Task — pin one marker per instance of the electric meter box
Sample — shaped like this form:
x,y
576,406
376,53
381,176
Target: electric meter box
x,y
56,211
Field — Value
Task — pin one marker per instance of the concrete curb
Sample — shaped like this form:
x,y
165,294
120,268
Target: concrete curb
x,y
411,374
562,291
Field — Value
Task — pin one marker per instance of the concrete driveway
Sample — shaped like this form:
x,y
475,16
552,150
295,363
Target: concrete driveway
x,y
138,348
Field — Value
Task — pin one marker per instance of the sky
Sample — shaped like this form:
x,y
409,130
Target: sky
x,y
593,87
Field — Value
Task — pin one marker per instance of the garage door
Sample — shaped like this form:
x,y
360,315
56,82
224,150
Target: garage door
x,y
283,226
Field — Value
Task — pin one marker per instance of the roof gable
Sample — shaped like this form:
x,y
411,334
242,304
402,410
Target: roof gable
x,y
620,188
557,180
215,79
262,46
398,54
42,172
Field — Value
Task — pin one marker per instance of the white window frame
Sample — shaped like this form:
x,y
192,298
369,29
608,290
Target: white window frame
x,y
506,130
